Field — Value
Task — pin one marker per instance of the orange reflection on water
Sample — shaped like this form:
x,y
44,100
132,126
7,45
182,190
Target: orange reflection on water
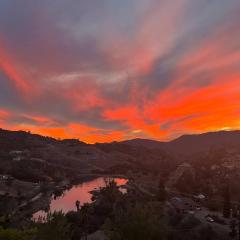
x,y
79,192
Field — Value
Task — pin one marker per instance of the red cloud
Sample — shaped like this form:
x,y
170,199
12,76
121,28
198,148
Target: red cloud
x,y
12,70
4,115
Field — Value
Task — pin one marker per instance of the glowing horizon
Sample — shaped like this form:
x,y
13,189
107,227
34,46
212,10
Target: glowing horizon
x,y
112,70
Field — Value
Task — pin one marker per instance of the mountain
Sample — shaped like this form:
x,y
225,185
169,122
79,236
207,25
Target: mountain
x,y
192,144
20,150
144,154
189,144
139,142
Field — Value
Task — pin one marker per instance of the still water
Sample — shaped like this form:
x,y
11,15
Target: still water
x,y
80,192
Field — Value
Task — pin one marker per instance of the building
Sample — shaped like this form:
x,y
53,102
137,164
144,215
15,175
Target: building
x,y
4,178
200,197
18,156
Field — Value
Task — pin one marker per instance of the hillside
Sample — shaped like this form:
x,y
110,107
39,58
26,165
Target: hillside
x,y
117,157
192,144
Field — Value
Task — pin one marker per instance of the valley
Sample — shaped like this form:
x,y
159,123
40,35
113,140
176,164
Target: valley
x,y
203,176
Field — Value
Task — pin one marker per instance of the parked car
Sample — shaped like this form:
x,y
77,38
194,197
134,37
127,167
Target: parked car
x,y
209,219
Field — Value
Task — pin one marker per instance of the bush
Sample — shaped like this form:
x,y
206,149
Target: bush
x,y
137,222
14,234
55,228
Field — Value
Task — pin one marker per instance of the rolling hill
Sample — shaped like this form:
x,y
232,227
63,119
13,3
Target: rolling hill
x,y
192,144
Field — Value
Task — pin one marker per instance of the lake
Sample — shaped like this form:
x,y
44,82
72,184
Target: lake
x,y
80,192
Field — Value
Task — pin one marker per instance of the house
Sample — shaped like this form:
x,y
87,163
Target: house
x,y
200,197
4,178
38,160
15,153
17,156
17,159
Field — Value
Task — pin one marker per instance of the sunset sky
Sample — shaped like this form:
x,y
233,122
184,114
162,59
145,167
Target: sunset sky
x,y
105,70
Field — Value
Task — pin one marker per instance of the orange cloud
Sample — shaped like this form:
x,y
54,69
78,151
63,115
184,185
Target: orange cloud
x,y
134,119
78,131
212,108
92,135
4,115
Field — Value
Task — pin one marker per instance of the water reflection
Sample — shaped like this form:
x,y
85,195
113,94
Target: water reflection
x,y
80,192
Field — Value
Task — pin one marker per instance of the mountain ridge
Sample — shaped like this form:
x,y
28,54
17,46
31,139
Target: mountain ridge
x,y
186,144
192,143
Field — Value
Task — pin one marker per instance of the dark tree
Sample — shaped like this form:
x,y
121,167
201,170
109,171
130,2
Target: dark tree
x,y
227,201
85,215
77,205
233,232
162,194
238,216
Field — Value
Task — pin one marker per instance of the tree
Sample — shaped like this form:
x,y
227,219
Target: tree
x,y
55,228
9,182
74,218
77,203
227,201
207,233
141,222
85,213
238,216
162,194
233,232
19,197
111,192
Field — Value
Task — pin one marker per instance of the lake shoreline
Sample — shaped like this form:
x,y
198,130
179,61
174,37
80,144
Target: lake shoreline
x,y
87,185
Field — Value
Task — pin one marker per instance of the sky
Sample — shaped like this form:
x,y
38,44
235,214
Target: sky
x,y
111,70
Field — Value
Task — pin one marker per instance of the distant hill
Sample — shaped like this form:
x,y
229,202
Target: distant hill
x,y
112,157
139,142
191,144
203,142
